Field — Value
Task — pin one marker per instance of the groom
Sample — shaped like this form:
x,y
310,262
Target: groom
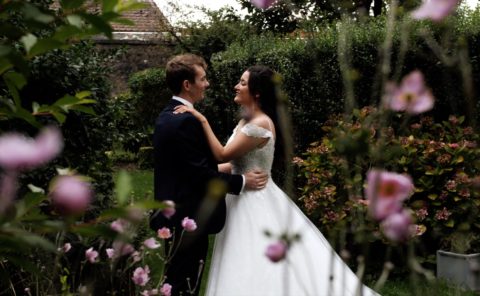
x,y
184,171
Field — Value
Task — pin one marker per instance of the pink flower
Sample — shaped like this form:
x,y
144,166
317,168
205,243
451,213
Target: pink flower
x,y
70,195
421,213
276,251
166,289
18,152
119,225
435,10
412,96
66,247
164,233
169,209
136,256
189,224
110,253
151,243
453,145
141,276
386,191
442,214
91,255
263,4
122,248
398,226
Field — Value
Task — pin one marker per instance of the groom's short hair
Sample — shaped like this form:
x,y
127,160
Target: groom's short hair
x,y
180,68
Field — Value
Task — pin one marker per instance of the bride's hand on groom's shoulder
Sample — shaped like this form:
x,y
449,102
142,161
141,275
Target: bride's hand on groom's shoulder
x,y
182,109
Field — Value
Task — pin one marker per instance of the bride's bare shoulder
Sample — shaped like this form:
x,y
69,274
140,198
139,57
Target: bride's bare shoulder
x,y
263,121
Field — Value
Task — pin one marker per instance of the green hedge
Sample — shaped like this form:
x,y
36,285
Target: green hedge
x,y
135,112
313,81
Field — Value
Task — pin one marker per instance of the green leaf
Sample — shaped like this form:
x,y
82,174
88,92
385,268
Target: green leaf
x,y
59,116
123,187
16,78
84,109
36,241
44,45
99,23
4,50
109,5
29,41
14,81
65,32
33,13
94,230
66,100
450,223
76,21
83,94
26,116
432,196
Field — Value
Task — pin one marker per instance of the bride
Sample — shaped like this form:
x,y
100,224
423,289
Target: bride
x,y
239,264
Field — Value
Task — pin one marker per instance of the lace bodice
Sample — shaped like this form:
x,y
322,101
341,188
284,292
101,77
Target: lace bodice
x,y
259,158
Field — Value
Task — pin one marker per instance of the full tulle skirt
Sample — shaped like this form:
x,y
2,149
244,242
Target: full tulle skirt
x,y
240,267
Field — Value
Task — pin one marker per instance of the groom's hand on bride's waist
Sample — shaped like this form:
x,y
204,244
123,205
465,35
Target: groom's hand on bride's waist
x,y
255,180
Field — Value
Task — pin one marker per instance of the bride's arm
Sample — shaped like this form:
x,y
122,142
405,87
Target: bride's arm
x,y
240,145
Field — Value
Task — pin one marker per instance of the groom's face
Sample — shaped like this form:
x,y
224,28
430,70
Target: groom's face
x,y
197,89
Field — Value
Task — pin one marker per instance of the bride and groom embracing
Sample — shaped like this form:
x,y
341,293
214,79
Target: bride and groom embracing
x,y
186,156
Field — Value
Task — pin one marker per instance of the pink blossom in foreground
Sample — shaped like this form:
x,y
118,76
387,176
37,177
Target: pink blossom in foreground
x,y
189,224
136,257
66,247
169,210
398,227
70,195
386,191
412,96
435,10
166,289
151,243
141,276
164,233
18,152
276,251
91,255
119,225
263,4
121,248
110,253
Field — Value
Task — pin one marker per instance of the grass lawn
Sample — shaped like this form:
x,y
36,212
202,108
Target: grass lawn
x,y
142,188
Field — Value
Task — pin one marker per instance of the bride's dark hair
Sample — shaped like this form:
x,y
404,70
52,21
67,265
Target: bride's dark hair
x,y
262,86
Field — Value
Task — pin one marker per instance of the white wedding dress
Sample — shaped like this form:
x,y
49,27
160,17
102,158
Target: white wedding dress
x,y
239,265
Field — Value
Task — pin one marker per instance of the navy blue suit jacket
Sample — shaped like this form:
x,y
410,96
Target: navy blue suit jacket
x,y
184,166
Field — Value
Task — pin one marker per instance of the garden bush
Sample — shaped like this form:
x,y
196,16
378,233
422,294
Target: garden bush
x,y
135,112
442,159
